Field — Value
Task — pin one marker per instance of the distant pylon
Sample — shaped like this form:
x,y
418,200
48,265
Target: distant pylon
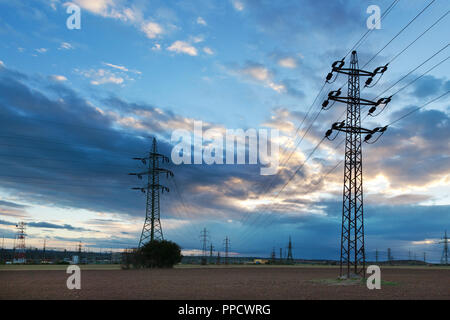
x,y
376,255
19,248
281,255
227,249
290,258
444,257
152,229
211,250
218,257
273,256
43,250
204,239
389,255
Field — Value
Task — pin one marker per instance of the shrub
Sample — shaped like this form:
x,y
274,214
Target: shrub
x,y
155,254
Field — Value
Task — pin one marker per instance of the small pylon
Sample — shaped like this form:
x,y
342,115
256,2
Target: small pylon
x,y
444,257
289,258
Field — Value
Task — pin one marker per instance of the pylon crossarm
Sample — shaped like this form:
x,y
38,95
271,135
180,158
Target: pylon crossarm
x,y
152,171
361,101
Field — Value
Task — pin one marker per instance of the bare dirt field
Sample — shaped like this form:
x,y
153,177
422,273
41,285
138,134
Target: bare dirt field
x,y
270,283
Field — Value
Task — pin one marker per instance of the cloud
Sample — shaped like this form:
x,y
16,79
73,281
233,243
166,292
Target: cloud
x,y
41,50
429,85
47,225
261,74
238,5
288,62
156,47
121,68
2,64
117,10
152,29
208,50
201,21
65,46
183,47
58,78
102,76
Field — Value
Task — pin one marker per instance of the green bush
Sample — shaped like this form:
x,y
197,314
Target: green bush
x,y
156,254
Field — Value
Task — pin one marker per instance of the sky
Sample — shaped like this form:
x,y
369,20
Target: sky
x,y
78,104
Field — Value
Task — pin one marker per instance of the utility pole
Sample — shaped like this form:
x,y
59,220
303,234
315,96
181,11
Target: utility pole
x,y
281,255
227,249
43,251
290,258
204,239
376,255
3,250
152,229
444,257
425,257
273,256
218,257
353,259
211,250
389,256
409,254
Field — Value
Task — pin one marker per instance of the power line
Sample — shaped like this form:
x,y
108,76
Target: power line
x,y
417,109
410,72
403,29
420,36
359,42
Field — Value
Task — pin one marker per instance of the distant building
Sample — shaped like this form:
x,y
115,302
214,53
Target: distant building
x,y
260,261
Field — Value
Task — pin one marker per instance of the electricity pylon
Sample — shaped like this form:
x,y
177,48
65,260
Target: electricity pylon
x,y
19,247
211,251
152,229
204,238
444,257
273,256
389,255
289,258
226,244
353,259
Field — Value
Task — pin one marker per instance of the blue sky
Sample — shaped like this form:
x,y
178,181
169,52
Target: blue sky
x,y
78,104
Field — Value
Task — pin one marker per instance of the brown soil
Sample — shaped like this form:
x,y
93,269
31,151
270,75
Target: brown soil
x,y
223,283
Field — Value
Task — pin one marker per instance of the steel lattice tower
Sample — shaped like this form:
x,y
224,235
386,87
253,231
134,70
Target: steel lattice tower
x,y
152,229
289,258
19,248
227,248
444,257
353,259
204,238
352,236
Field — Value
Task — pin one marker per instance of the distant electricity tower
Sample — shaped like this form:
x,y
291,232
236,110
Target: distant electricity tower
x,y
204,238
19,248
289,258
444,257
152,229
353,259
226,244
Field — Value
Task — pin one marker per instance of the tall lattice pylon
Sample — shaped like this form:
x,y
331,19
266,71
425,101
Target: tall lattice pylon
x,y
290,258
152,229
352,261
444,257
19,248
